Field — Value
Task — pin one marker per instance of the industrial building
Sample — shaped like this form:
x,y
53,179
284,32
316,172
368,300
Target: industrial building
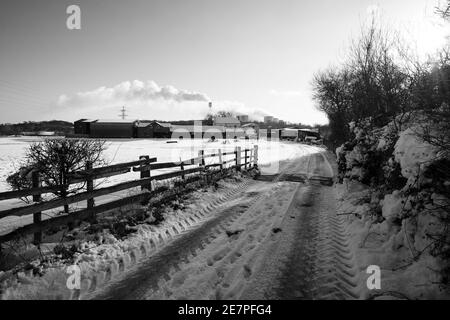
x,y
229,122
243,118
268,119
229,128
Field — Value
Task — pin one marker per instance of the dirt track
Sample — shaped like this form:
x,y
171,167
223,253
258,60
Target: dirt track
x,y
275,238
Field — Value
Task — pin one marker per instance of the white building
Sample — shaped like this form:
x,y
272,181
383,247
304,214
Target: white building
x,y
228,122
268,119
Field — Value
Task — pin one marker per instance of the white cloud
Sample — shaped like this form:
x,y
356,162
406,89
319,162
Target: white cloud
x,y
129,92
145,100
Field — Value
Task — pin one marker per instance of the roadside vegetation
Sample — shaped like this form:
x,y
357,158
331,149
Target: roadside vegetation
x,y
389,122
54,160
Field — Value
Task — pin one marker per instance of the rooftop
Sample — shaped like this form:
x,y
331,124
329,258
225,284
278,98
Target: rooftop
x,y
145,123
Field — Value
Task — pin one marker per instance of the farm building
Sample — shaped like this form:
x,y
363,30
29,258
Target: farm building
x,y
112,129
152,129
83,126
230,129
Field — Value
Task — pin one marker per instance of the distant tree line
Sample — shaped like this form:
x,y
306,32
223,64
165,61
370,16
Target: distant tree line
x,y
60,127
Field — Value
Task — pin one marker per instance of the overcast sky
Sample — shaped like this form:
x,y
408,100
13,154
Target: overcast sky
x,y
164,59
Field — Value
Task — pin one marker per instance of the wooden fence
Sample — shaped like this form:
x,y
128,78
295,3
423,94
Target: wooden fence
x,y
144,166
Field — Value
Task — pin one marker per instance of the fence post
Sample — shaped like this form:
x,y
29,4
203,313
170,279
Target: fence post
x,y
245,158
238,158
145,173
37,216
255,156
89,188
220,159
89,185
182,170
201,155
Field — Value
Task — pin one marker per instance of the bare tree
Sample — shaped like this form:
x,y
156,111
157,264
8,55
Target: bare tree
x,y
371,84
55,159
332,91
380,82
444,10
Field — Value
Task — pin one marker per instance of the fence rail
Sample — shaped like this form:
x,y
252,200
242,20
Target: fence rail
x,y
145,165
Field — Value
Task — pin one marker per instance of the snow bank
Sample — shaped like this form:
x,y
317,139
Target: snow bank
x,y
413,154
394,220
393,247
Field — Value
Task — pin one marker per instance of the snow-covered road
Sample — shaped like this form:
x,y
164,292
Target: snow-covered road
x,y
277,238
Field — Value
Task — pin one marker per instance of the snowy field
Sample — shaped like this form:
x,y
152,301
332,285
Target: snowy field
x,y
13,149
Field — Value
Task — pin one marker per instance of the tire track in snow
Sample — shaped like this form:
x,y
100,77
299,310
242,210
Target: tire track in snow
x,y
151,243
312,259
335,272
157,268
225,266
205,264
164,235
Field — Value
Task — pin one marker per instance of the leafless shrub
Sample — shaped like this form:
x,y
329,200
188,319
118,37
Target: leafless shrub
x,y
55,159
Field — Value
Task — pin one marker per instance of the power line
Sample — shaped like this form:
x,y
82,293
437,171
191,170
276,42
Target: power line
x,y
123,114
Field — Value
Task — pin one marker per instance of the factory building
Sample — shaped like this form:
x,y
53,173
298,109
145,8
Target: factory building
x,y
229,122
268,119
243,118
